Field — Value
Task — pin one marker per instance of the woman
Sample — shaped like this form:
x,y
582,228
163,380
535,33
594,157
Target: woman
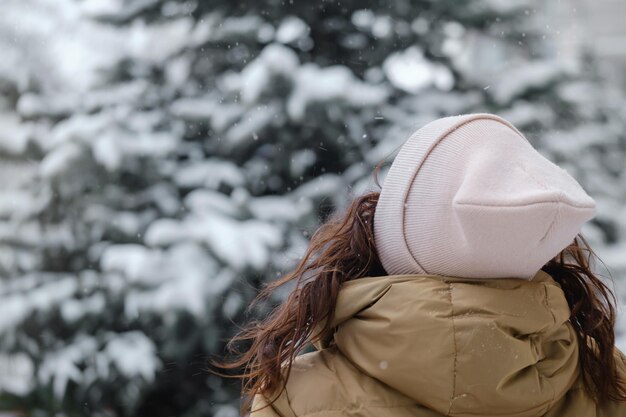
x,y
463,288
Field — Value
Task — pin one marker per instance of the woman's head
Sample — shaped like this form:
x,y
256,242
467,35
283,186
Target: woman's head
x,y
469,196
369,239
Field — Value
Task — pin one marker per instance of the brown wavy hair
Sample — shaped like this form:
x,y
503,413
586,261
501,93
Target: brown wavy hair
x,y
343,249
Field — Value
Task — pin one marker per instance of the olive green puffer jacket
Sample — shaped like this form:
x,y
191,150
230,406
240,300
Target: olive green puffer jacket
x,y
432,346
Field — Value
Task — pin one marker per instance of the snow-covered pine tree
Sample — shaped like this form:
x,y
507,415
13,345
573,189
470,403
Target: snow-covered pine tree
x,y
184,157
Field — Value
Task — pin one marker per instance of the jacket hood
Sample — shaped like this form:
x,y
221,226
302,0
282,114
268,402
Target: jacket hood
x,y
461,347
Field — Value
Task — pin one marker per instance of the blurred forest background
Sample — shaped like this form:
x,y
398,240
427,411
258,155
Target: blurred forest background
x,y
161,160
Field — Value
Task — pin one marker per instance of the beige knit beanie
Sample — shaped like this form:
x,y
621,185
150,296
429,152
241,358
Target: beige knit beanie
x,y
468,196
